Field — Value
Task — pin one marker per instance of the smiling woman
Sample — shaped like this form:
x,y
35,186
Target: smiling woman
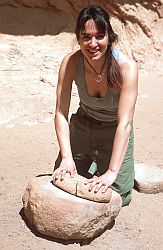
x,y
95,37
99,138
93,44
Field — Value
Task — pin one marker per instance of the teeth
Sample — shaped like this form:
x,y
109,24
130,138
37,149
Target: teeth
x,y
93,51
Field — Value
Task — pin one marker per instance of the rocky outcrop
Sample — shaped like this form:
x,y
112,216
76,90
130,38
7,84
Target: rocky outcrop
x,y
62,215
148,178
138,23
35,36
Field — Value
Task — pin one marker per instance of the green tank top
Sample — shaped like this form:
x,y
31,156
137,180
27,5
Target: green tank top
x,y
100,108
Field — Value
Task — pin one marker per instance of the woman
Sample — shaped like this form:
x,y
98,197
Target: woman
x,y
99,138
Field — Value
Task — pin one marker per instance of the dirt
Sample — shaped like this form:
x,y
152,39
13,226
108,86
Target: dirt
x,y
26,151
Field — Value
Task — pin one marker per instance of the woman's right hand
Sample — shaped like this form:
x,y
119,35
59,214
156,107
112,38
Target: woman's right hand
x,y
67,165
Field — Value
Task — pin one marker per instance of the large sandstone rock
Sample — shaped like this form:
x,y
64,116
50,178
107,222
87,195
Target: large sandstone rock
x,y
148,178
138,23
62,215
76,186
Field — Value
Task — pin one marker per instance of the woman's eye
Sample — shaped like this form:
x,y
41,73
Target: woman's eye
x,y
100,37
86,38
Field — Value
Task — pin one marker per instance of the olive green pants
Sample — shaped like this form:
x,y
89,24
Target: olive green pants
x,y
91,144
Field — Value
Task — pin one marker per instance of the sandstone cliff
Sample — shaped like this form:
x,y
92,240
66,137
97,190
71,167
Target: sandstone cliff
x,y
138,23
35,35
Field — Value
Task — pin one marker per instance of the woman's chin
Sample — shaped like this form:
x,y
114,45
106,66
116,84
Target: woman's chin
x,y
94,56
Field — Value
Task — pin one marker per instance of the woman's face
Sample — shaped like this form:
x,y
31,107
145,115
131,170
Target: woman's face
x,y
93,43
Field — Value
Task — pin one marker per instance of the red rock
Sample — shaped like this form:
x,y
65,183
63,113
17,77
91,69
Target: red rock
x,y
148,178
59,214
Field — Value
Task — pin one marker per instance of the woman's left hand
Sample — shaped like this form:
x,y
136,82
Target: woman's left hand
x,y
101,183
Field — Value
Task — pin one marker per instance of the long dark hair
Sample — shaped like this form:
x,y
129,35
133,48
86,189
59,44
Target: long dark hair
x,y
102,21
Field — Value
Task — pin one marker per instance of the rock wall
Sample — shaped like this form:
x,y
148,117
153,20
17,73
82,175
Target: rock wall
x,y
35,35
138,23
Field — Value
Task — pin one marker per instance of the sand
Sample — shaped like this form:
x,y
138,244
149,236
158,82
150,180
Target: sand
x,y
26,151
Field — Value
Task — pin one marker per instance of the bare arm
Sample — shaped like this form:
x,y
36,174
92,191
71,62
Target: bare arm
x,y
66,76
126,109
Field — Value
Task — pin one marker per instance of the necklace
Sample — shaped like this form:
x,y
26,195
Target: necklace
x,y
98,75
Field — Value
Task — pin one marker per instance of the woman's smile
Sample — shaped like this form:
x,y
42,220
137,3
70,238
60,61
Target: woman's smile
x,y
93,42
93,52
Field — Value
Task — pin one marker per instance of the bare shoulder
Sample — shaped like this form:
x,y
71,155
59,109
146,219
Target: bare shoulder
x,y
72,57
70,63
127,64
129,70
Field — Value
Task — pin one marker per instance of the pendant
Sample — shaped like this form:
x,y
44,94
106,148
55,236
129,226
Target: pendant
x,y
98,78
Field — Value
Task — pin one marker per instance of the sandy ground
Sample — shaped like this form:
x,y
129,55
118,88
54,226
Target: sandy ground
x,y
26,151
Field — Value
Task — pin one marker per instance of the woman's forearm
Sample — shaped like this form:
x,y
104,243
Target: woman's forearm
x,y
63,135
119,147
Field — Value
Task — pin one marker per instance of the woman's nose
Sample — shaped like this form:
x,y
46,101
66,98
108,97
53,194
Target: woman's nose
x,y
93,42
